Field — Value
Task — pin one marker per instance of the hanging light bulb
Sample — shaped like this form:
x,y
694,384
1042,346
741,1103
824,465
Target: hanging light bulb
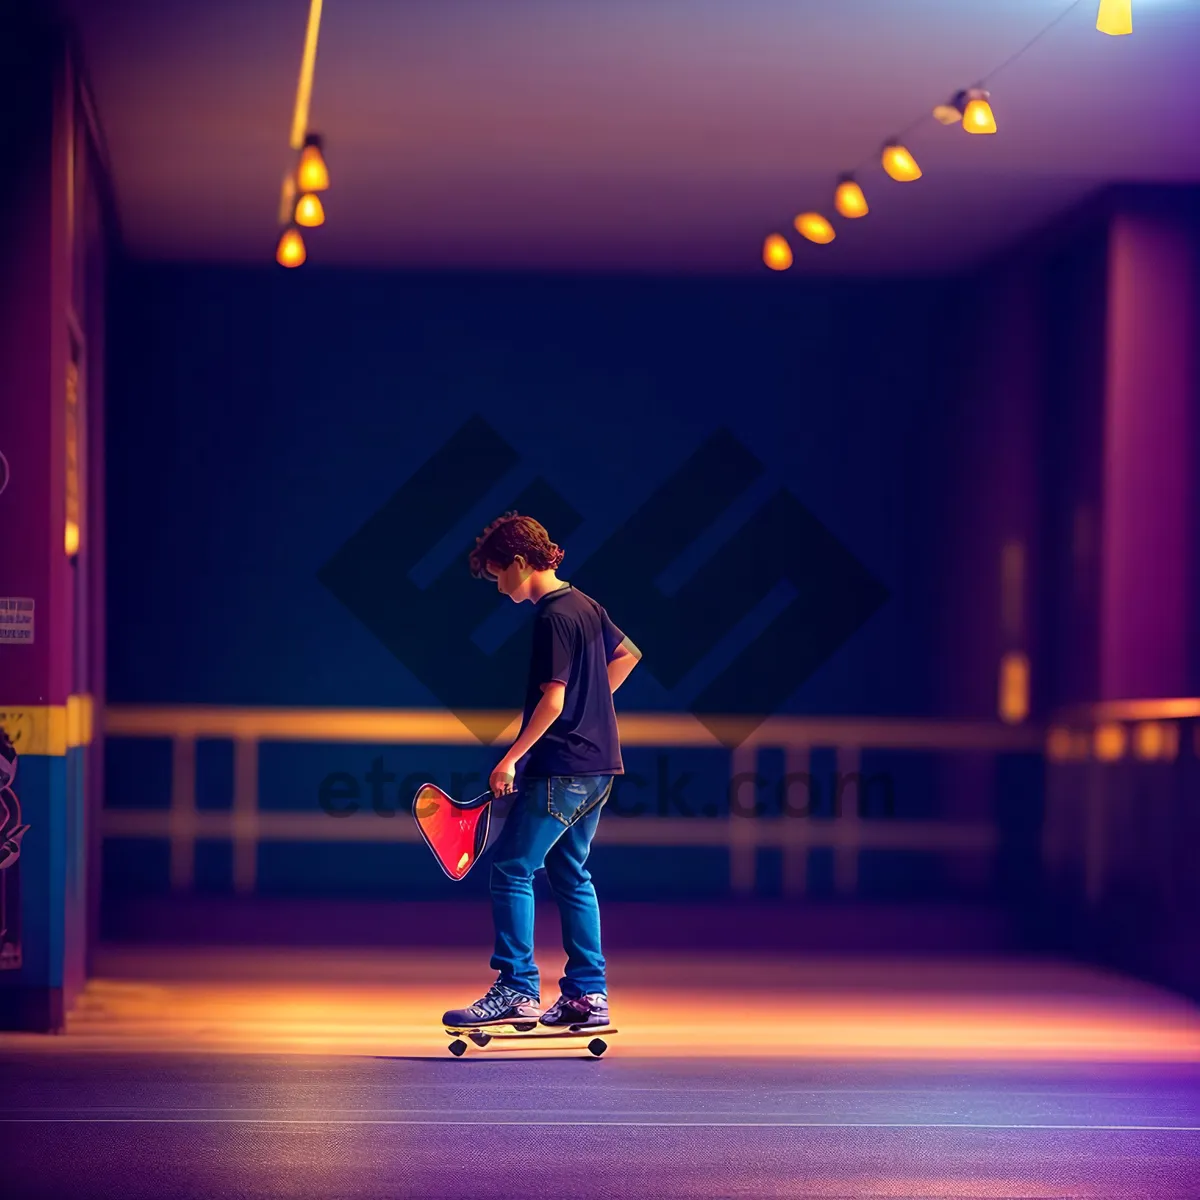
x,y
312,175
899,163
849,199
814,227
777,254
310,212
977,114
1115,17
290,251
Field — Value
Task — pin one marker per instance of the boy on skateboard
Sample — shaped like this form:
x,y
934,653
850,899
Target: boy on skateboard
x,y
566,755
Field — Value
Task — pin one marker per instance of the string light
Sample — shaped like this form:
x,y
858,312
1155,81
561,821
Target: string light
x,y
777,254
291,252
312,175
1115,17
899,163
970,108
977,115
849,199
815,227
310,212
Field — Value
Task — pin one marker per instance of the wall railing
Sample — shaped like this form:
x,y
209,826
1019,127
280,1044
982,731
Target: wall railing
x,y
1120,834
246,824
1123,797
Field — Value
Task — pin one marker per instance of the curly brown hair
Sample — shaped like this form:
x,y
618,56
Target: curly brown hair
x,y
510,535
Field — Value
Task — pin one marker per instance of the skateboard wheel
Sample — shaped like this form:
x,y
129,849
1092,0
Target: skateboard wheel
x,y
458,1047
525,1026
480,1039
597,1046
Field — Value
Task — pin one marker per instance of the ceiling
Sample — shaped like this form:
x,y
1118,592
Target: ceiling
x,y
613,135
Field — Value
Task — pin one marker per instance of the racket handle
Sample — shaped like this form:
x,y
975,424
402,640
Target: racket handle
x,y
469,804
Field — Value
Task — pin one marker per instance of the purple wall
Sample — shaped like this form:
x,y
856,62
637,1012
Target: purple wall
x,y
52,223
1149,606
1080,384
96,222
25,302
1075,436
1075,285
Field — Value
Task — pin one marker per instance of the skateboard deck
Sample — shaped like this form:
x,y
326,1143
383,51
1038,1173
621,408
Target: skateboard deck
x,y
456,831
529,1031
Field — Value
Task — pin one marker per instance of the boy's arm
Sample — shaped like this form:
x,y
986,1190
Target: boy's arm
x,y
625,658
549,709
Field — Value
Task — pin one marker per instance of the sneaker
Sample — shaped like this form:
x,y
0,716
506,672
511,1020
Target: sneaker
x,y
588,1010
501,1006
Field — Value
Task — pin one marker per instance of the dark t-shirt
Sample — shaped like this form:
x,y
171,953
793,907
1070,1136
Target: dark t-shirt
x,y
573,641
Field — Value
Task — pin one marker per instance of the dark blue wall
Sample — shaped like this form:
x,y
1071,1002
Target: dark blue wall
x,y
259,418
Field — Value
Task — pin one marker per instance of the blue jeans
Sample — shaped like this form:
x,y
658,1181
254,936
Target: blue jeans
x,y
551,823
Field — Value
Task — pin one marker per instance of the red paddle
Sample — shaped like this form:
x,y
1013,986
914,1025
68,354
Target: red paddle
x,y
455,830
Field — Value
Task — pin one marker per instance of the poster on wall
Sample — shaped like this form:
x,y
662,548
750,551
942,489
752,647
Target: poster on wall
x,y
12,830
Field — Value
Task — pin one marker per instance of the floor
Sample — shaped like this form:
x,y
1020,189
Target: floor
x,y
304,1073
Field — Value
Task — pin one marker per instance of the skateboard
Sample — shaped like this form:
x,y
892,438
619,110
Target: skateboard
x,y
455,830
529,1031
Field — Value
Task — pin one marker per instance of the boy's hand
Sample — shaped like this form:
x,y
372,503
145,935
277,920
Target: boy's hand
x,y
503,774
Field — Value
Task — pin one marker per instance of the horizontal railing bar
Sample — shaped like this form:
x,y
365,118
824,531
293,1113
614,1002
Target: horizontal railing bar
x,y
883,834
1178,708
668,730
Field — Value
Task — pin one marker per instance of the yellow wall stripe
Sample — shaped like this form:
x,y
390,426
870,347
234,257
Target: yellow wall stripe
x,y
49,729
80,720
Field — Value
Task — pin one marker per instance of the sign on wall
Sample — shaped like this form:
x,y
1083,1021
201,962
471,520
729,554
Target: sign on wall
x,y
16,621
